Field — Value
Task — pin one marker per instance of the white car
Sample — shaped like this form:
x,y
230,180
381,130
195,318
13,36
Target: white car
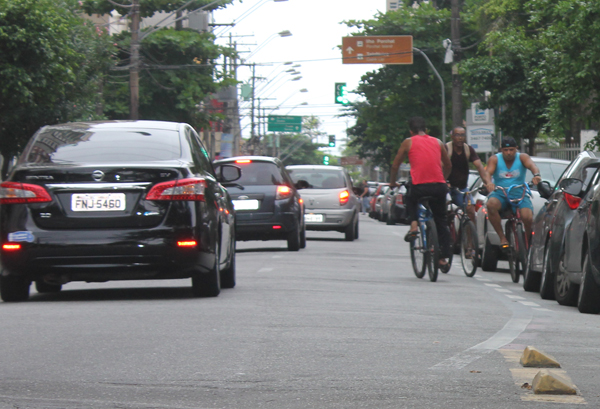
x,y
489,242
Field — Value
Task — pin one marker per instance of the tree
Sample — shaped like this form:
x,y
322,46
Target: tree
x,y
178,69
51,63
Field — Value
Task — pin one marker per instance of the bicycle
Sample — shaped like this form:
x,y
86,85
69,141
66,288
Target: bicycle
x,y
425,249
515,232
465,240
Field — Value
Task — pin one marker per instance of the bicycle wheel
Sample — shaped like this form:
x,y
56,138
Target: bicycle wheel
x,y
433,251
468,248
521,249
512,251
454,234
418,255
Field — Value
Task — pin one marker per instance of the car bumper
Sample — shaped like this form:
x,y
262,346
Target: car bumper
x,y
332,219
264,226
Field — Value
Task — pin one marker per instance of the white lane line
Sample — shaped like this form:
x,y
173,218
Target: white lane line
x,y
265,270
492,285
529,303
543,309
502,290
482,279
277,257
515,297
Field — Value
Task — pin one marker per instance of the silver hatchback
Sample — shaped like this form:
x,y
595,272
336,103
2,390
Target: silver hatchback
x,y
329,200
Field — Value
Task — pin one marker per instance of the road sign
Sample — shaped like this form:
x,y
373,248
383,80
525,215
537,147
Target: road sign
x,y
350,160
284,123
377,50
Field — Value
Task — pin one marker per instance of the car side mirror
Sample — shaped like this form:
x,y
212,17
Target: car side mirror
x,y
571,186
228,173
544,189
302,184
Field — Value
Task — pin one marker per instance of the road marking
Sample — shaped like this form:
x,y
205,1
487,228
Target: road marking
x,y
522,375
265,270
492,285
482,279
502,290
529,303
515,297
543,309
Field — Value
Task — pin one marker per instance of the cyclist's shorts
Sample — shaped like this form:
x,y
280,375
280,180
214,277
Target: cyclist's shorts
x,y
526,203
459,198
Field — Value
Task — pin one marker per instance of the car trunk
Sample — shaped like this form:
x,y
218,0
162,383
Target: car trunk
x,y
321,198
99,197
253,202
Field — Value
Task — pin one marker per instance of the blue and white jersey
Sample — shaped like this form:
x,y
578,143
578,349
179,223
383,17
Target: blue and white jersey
x,y
505,177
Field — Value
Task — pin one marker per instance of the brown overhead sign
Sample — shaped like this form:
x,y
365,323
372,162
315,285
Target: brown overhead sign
x,y
350,160
377,50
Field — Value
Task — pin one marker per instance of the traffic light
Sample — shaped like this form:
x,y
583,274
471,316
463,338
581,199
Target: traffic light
x,y
341,95
332,141
325,160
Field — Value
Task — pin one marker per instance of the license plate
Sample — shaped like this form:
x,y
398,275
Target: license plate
x,y
313,218
98,202
245,204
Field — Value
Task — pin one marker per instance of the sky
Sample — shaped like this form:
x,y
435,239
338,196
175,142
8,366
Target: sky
x,y
316,35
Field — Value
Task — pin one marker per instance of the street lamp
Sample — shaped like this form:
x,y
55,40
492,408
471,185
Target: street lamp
x,y
284,33
304,103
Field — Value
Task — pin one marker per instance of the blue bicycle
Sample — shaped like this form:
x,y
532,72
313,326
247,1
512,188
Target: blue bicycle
x,y
425,248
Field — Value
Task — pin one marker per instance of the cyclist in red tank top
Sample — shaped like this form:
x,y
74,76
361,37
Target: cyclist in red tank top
x,y
429,167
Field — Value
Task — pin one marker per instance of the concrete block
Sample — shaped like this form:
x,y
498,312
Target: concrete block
x,y
535,358
547,382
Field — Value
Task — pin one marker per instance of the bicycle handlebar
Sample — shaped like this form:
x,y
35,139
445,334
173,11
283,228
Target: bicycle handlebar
x,y
506,192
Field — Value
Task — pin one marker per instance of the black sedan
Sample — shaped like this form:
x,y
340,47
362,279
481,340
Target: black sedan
x,y
580,272
115,200
546,253
266,201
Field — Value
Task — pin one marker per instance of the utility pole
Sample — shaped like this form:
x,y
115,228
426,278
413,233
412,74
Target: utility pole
x,y
252,136
457,111
134,65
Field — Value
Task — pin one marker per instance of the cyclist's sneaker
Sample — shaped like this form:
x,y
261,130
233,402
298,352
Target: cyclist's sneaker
x,y
444,268
410,236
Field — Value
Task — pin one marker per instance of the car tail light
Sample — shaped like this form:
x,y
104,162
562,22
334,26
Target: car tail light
x,y
283,192
242,161
344,197
183,189
187,243
399,199
15,192
572,201
276,227
11,247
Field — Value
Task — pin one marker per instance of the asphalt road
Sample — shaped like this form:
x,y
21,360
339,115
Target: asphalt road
x,y
336,325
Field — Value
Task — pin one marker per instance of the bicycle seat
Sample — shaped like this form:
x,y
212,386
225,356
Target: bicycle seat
x,y
506,214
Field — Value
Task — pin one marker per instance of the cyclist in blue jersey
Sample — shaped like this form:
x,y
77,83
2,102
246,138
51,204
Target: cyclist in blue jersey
x,y
509,168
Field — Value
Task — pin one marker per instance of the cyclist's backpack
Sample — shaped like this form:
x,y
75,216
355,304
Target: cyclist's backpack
x,y
467,149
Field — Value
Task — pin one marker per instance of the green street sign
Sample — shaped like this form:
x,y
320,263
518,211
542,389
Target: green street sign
x,y
284,123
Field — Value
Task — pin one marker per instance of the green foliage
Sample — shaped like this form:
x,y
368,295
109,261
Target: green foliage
x,y
148,7
51,64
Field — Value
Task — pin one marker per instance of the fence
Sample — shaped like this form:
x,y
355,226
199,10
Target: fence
x,y
565,150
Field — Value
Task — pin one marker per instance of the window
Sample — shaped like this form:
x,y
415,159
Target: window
x,y
319,179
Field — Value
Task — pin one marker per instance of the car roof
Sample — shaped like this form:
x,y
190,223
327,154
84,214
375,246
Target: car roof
x,y
124,124
315,167
548,160
249,157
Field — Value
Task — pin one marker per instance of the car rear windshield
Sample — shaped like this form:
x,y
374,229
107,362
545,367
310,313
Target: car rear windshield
x,y
319,179
550,171
258,174
107,146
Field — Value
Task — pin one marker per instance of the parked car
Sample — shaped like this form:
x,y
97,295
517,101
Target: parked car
x,y
489,242
329,198
550,225
115,200
396,208
373,211
266,201
578,275
379,199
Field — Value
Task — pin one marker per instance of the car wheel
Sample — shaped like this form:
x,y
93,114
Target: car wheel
x,y
531,279
489,257
209,284
43,287
390,219
356,229
350,231
546,280
588,301
303,236
228,274
293,239
14,288
564,290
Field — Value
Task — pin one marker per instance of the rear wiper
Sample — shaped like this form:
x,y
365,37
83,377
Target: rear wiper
x,y
231,184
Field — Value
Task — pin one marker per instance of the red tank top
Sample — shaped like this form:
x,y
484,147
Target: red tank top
x,y
425,157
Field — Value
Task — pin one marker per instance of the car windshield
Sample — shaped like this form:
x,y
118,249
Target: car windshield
x,y
550,171
319,179
55,145
255,173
